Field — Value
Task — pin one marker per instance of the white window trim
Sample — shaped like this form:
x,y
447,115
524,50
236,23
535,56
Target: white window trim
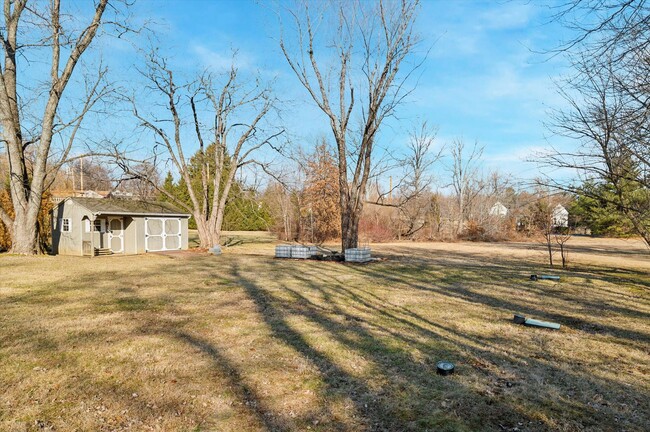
x,y
63,222
102,225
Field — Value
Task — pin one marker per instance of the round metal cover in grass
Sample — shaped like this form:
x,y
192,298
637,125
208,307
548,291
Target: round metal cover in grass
x,y
445,368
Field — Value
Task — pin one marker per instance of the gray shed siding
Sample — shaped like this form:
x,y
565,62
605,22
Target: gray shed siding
x,y
68,243
139,227
186,237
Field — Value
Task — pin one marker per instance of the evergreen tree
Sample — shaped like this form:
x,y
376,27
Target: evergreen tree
x,y
169,186
243,212
595,208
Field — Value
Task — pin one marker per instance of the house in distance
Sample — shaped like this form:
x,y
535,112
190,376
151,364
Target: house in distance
x,y
105,226
560,217
498,209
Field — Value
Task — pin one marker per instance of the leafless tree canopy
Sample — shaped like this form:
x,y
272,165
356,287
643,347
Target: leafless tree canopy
x,y
414,199
605,26
229,123
609,104
352,57
465,177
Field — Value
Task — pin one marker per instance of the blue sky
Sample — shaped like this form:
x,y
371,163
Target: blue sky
x,y
483,80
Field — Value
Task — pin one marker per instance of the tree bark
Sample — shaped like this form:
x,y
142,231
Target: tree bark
x,y
209,235
350,228
25,238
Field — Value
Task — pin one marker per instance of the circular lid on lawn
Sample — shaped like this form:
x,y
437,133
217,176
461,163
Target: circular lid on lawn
x,y
445,367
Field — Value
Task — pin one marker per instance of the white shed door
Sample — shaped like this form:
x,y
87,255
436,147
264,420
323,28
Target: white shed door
x,y
116,234
162,234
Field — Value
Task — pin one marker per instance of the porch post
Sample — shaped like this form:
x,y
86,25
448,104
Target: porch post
x,y
92,236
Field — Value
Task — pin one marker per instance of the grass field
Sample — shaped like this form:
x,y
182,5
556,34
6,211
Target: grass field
x,y
245,342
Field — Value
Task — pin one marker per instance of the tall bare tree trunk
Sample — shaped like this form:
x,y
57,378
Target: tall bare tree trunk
x,y
350,227
25,229
379,35
209,232
27,188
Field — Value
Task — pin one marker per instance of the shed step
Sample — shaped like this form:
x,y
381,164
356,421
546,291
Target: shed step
x,y
103,251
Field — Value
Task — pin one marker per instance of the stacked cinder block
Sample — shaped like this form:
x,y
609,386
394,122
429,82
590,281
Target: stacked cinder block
x,y
357,255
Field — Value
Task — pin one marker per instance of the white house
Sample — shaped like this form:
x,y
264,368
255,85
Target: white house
x,y
560,217
498,209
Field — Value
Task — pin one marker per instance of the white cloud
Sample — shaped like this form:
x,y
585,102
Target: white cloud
x,y
221,61
507,16
523,153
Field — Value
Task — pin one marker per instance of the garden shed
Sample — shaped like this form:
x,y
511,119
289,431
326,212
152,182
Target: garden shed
x,y
105,226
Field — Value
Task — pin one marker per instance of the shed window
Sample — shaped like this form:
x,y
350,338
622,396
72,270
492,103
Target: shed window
x,y
98,225
65,225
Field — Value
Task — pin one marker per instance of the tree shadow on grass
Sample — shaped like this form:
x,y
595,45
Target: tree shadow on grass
x,y
640,251
417,374
399,389
410,395
508,273
396,366
378,408
244,394
569,311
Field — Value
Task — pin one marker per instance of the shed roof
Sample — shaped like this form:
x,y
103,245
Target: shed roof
x,y
116,206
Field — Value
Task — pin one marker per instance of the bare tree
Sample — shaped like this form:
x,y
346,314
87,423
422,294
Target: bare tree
x,y
144,185
356,72
561,238
28,135
87,174
609,105
415,197
465,178
277,197
605,26
545,213
542,217
612,40
239,109
611,131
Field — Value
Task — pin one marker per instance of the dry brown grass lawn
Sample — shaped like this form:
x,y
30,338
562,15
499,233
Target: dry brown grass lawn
x,y
245,342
